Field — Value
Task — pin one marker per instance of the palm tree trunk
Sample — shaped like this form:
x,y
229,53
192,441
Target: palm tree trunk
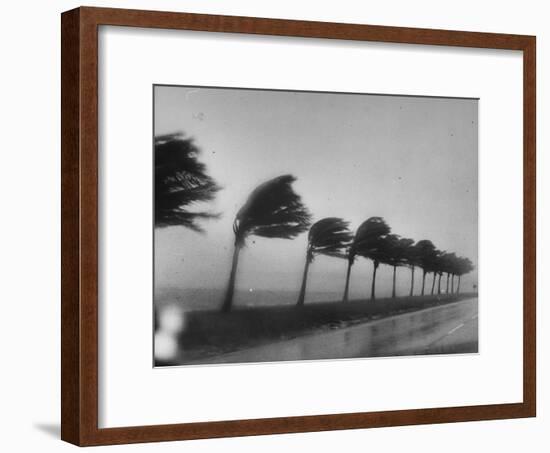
x,y
373,287
393,283
412,281
439,284
423,281
302,296
447,289
433,284
228,300
453,284
346,290
458,286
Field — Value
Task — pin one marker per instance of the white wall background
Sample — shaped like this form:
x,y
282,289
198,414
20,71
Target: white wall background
x,y
30,229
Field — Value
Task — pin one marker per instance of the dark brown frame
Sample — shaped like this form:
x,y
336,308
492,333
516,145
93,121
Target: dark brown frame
x,y
79,164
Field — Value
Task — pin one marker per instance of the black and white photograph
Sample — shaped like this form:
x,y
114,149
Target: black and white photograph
x,y
303,225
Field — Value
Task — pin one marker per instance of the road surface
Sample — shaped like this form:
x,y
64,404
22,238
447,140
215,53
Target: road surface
x,y
445,329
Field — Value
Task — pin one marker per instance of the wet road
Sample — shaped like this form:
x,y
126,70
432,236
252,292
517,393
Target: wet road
x,y
445,329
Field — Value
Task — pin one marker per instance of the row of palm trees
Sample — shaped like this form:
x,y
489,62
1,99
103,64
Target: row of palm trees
x,y
275,210
331,236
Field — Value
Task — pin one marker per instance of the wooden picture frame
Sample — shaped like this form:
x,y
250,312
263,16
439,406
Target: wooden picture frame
x,y
79,342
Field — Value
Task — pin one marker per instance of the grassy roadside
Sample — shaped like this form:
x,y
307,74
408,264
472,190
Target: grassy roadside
x,y
208,333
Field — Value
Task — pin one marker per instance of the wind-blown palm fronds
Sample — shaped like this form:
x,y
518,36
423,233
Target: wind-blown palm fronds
x,y
273,210
452,268
329,236
372,245
369,243
446,264
396,253
427,254
463,266
438,269
181,181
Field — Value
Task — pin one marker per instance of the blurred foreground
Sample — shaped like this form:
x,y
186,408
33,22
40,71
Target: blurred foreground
x,y
443,324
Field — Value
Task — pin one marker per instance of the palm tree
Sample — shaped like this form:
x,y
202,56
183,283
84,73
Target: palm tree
x,y
464,266
427,254
448,264
272,210
453,280
181,181
433,281
441,265
456,264
436,267
396,253
329,236
351,259
351,255
369,243
412,256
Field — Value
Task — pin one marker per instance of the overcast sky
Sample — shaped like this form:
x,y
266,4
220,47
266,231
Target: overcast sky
x,y
411,160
